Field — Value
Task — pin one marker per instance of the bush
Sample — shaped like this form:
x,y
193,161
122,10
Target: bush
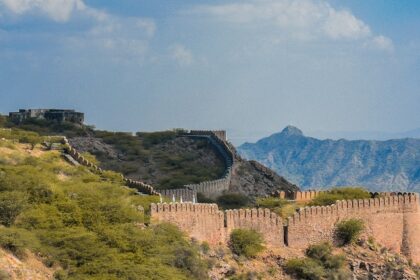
x,y
233,201
319,251
280,206
349,231
246,242
17,240
305,268
11,205
330,197
201,198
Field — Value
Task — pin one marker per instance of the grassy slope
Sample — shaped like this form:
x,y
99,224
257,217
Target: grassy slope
x,y
86,226
158,158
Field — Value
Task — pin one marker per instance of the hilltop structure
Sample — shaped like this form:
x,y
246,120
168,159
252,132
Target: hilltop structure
x,y
57,115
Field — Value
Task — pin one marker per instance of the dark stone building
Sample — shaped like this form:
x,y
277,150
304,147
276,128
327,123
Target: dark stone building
x,y
47,114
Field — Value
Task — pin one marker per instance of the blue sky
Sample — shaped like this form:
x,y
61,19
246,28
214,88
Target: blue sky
x,y
250,66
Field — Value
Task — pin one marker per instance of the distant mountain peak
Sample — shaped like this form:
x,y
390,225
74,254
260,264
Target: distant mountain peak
x,y
291,130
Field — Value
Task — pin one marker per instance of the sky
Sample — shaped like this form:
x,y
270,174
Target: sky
x,y
248,66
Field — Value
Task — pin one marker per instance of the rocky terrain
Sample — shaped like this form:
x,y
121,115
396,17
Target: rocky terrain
x,y
175,161
392,165
365,260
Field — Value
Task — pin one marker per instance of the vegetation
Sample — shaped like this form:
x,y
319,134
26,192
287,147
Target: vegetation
x,y
320,263
158,158
330,197
233,201
85,224
280,206
349,231
246,242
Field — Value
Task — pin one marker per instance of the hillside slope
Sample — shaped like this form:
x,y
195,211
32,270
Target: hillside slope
x,y
392,165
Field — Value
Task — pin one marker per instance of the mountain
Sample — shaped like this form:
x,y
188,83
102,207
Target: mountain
x,y
313,163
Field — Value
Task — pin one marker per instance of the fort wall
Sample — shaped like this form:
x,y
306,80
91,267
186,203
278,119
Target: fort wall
x,y
203,222
269,224
393,220
214,188
383,219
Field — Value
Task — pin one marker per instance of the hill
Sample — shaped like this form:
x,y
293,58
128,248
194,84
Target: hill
x,y
82,225
313,163
162,159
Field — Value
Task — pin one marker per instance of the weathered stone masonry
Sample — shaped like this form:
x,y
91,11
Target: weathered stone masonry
x,y
393,220
205,222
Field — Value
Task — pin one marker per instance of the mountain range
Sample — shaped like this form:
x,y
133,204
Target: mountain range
x,y
316,164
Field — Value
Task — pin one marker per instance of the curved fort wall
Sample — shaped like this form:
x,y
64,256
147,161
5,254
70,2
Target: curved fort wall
x,y
218,140
393,220
212,188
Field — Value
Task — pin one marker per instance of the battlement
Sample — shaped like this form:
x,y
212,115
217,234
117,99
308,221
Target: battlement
x,y
392,219
206,222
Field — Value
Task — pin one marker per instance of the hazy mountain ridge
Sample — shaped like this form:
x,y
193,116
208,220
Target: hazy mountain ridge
x,y
313,163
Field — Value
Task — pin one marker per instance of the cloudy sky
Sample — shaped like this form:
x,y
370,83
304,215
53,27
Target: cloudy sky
x,y
248,66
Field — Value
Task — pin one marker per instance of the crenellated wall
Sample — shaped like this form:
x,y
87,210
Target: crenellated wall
x,y
181,195
393,220
384,220
205,222
216,187
269,224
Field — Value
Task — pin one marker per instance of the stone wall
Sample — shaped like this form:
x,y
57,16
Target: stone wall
x,y
384,220
77,157
305,196
203,222
214,188
181,195
262,220
393,220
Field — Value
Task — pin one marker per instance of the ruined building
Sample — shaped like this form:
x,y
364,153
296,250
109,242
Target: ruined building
x,y
47,114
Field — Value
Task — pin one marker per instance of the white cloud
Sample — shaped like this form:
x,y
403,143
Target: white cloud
x,y
58,10
301,19
122,38
181,55
382,43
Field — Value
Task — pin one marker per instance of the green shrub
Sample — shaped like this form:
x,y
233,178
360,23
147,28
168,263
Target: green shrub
x,y
12,203
319,251
233,201
320,263
330,197
349,230
280,206
201,198
246,242
305,268
17,240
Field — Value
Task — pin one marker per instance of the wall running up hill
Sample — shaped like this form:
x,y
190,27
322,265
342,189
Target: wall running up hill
x,y
212,188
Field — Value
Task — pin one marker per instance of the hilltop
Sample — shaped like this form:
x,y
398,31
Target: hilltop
x,y
313,163
163,159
